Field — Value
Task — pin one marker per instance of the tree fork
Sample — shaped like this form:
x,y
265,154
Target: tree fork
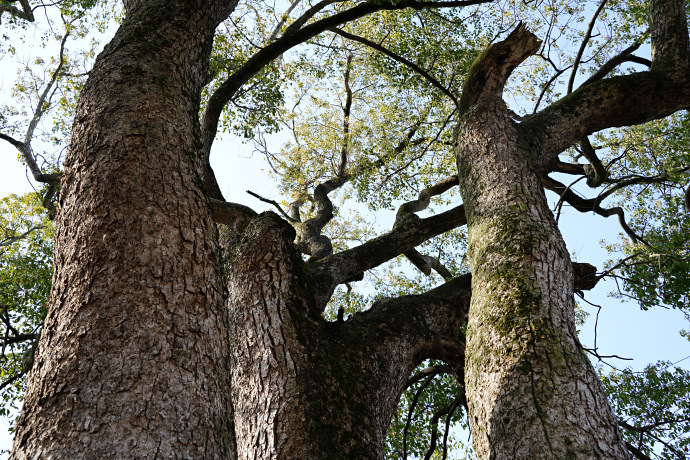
x,y
306,388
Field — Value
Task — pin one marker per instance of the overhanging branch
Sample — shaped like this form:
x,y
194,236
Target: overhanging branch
x,y
397,58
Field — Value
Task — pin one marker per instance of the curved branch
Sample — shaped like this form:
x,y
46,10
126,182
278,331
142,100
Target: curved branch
x,y
587,205
432,370
625,56
14,238
399,59
448,412
410,411
291,38
596,173
309,233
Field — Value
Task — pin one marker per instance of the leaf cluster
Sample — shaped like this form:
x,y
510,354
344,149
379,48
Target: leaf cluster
x,y
26,268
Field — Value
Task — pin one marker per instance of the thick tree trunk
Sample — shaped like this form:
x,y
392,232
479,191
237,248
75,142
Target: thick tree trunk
x,y
304,388
133,360
532,392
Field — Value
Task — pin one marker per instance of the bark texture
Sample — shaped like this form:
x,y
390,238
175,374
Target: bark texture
x,y
532,392
133,358
305,388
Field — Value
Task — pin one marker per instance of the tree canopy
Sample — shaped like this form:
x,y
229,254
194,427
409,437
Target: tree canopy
x,y
355,106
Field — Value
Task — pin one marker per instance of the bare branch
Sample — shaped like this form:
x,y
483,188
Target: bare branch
x,y
587,205
448,411
625,56
41,105
432,370
274,203
583,46
19,338
14,238
284,19
410,411
636,452
399,59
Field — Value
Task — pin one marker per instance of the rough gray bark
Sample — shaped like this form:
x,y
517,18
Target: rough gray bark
x,y
133,359
532,392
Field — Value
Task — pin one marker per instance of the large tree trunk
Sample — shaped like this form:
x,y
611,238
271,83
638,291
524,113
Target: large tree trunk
x,y
133,361
142,355
304,388
532,392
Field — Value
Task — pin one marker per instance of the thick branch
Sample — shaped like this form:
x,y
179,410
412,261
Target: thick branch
x,y
233,215
613,102
25,12
338,268
437,313
407,210
19,338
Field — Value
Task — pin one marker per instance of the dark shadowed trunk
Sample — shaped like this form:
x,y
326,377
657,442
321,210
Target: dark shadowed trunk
x,y
306,388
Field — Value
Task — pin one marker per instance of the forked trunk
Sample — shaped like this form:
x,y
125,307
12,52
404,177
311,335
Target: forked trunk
x,y
304,388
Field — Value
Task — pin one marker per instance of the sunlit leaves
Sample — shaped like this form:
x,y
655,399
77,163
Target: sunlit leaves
x,y
655,407
26,267
430,401
656,270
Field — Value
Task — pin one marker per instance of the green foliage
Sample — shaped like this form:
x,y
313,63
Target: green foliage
x,y
656,270
655,407
26,267
427,406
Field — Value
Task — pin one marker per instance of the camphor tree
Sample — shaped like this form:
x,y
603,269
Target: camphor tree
x,y
183,325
